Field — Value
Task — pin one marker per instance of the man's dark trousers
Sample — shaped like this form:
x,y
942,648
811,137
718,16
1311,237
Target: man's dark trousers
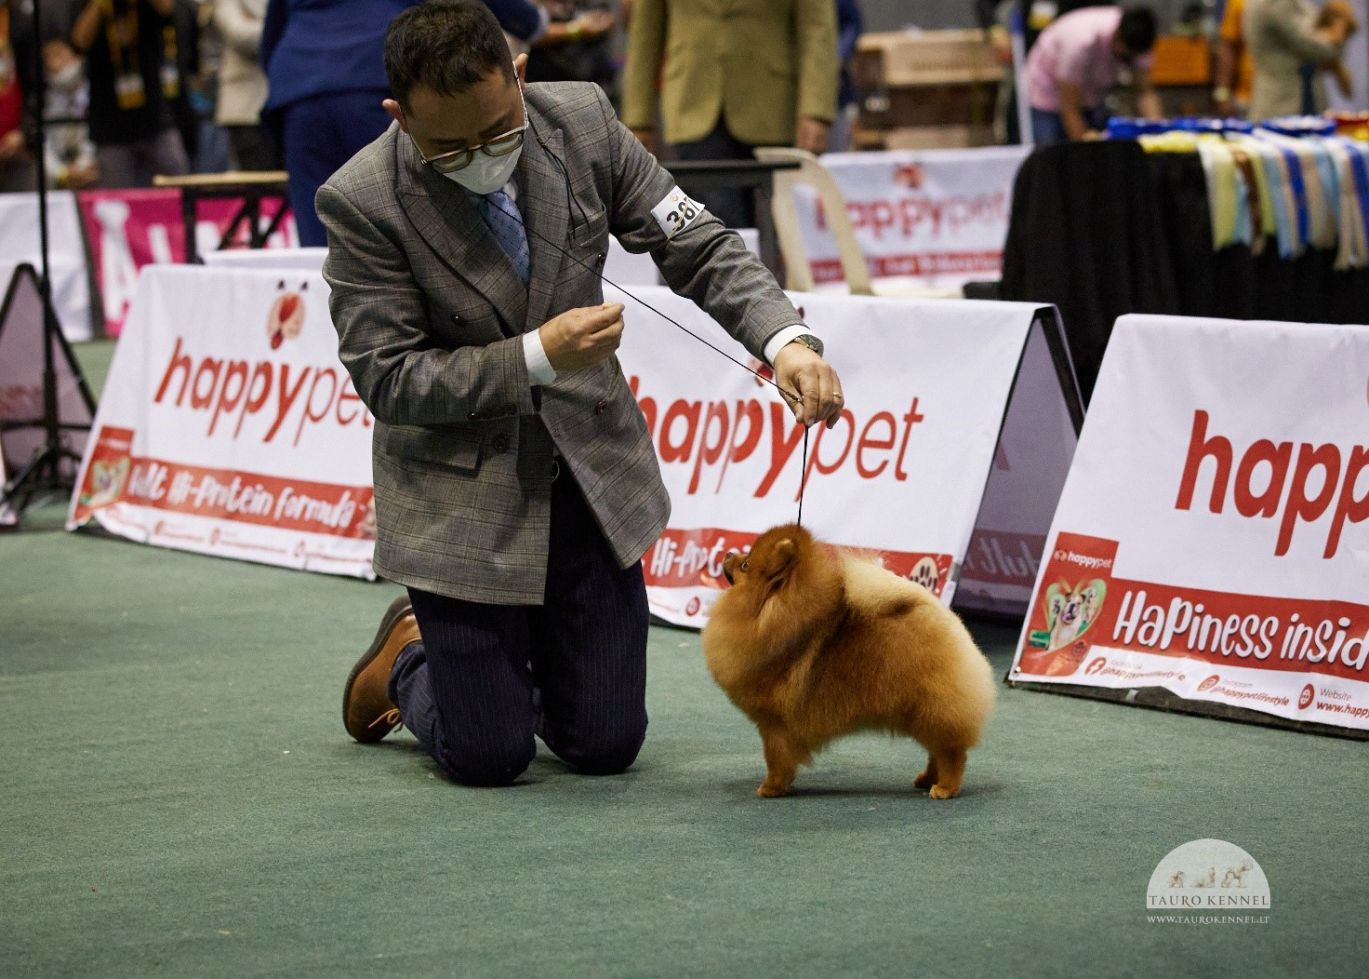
x,y
467,692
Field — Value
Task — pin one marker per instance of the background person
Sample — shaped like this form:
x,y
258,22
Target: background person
x,y
1234,71
1285,35
577,45
133,87
242,85
850,25
71,158
17,92
326,80
1078,59
739,75
523,21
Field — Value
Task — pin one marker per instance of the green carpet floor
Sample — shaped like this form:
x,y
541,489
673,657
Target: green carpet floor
x,y
181,800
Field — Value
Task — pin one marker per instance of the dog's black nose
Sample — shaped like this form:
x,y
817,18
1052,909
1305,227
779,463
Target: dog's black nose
x,y
727,566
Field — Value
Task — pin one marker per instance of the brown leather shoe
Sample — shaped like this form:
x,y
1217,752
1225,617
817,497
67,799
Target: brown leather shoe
x,y
367,711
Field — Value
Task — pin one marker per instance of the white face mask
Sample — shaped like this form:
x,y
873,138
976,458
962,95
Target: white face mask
x,y
485,174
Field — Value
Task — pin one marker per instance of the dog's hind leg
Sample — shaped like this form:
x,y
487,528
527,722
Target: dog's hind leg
x,y
950,769
782,760
928,777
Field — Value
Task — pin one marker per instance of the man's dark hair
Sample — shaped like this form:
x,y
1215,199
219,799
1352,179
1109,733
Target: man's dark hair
x,y
446,45
1138,30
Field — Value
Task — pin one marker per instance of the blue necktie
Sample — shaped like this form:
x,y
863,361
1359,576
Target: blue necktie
x,y
506,223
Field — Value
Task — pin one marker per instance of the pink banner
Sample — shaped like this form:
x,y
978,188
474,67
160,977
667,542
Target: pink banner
x,y
128,229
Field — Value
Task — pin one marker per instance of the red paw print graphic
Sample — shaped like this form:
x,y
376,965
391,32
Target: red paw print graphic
x,y
286,317
909,175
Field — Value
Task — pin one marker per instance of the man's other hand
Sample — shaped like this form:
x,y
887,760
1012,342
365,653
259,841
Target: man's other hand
x,y
811,135
799,370
581,338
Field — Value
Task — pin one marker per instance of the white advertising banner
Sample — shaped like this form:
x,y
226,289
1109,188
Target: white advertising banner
x,y
229,427
928,219
275,259
902,473
1212,539
19,244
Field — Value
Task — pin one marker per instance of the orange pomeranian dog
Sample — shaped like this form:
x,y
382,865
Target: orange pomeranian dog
x,y
812,644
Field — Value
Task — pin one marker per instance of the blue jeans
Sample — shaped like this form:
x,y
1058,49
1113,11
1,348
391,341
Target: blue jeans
x,y
1048,127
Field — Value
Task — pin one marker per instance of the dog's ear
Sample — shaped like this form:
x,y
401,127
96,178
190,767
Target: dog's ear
x,y
784,554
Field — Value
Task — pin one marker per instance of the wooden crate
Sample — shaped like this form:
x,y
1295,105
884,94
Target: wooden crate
x,y
898,58
923,137
927,105
1180,61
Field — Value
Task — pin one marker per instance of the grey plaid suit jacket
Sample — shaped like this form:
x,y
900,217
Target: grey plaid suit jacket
x,y
429,313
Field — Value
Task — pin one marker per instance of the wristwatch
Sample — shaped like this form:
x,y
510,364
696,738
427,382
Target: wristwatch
x,y
809,341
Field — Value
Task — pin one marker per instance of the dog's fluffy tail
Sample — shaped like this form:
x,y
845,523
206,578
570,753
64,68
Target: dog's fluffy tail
x,y
875,591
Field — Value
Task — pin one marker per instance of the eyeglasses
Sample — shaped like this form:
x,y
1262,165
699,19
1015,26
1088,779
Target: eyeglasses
x,y
456,160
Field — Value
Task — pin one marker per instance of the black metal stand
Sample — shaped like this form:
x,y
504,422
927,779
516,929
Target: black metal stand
x,y
45,471
252,187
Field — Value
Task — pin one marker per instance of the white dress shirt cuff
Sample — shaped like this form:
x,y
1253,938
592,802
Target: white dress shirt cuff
x,y
540,370
780,339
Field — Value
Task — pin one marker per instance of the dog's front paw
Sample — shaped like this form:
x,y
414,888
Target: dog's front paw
x,y
942,792
772,790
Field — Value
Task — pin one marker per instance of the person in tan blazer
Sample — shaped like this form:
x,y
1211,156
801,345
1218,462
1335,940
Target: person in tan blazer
x,y
733,75
516,485
242,84
1282,36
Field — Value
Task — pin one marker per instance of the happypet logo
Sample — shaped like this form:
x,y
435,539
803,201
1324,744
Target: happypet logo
x,y
293,390
1208,882
909,175
1096,667
286,318
1209,683
1299,484
1305,698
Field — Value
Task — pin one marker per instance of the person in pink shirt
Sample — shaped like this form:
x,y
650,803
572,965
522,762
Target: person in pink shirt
x,y
1077,59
